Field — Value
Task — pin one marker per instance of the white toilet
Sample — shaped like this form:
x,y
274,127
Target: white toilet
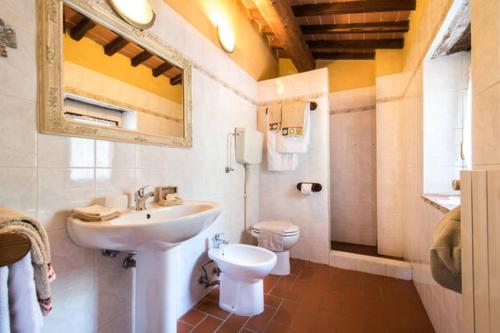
x,y
290,233
241,286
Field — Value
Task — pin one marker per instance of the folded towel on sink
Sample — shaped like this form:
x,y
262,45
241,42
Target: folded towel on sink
x,y
95,213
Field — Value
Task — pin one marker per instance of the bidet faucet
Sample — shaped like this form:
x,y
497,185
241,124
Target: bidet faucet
x,y
218,241
141,198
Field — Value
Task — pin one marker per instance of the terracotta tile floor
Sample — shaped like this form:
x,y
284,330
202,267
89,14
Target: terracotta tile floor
x,y
317,298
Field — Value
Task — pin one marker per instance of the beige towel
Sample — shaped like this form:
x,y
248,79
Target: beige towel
x,y
87,218
446,252
13,221
262,121
293,118
95,213
274,116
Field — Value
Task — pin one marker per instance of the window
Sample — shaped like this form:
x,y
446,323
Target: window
x,y
446,121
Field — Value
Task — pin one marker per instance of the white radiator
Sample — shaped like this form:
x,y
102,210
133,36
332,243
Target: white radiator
x,y
480,191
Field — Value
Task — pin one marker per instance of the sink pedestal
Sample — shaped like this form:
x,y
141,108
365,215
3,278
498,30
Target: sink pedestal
x,y
156,291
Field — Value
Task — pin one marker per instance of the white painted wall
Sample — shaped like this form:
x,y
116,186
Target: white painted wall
x,y
413,221
46,176
279,198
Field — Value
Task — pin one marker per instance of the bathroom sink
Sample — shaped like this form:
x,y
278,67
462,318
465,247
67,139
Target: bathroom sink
x,y
153,229
152,234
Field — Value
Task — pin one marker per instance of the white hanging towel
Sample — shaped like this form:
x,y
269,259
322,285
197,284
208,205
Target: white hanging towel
x,y
289,144
25,313
277,161
271,241
4,300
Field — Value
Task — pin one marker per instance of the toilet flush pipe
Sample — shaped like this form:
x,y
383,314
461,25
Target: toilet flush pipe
x,y
245,201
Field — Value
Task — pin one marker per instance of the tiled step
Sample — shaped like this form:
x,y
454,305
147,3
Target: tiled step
x,y
372,265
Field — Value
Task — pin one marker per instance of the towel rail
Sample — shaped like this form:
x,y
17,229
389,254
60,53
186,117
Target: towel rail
x,y
313,106
316,187
13,247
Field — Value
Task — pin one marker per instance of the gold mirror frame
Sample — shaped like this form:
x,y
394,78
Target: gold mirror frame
x,y
50,73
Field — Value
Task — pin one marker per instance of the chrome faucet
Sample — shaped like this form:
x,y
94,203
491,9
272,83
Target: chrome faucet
x,y
141,198
218,241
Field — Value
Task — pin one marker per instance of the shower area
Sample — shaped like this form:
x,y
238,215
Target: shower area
x,y
353,175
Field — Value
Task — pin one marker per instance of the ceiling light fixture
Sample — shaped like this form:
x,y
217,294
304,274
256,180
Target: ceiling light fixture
x,y
226,37
137,13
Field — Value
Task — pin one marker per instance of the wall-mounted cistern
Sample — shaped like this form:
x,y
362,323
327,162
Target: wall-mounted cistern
x,y
141,198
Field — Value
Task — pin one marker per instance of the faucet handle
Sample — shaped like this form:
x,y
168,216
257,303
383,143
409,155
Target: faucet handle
x,y
140,192
217,240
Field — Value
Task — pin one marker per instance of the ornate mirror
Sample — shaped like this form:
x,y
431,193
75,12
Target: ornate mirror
x,y
102,78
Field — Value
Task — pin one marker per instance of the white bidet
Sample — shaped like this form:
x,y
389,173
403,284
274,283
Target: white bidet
x,y
241,286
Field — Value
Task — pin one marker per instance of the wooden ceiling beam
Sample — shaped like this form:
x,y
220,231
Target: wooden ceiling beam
x,y
358,44
176,80
401,26
79,30
162,69
352,7
116,45
140,58
266,30
281,20
344,55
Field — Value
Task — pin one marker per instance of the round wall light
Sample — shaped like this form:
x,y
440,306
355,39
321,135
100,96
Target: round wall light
x,y
226,37
137,13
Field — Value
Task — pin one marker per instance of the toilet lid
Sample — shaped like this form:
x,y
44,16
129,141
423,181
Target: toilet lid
x,y
278,227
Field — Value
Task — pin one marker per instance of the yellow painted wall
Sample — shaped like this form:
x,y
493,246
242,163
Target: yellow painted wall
x,y
287,67
416,18
89,54
252,51
349,74
394,61
389,62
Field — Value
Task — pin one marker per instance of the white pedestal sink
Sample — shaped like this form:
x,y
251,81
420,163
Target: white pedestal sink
x,y
151,234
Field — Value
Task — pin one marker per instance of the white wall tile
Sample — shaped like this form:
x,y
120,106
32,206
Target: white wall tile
x,y
353,167
17,148
414,220
279,198
48,175
18,189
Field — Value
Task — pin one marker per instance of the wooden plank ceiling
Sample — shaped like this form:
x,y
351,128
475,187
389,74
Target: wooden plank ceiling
x,y
79,26
333,29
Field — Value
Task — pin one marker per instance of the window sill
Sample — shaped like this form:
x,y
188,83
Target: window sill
x,y
444,203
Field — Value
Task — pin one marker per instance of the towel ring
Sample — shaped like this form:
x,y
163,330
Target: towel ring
x,y
313,106
316,187
13,247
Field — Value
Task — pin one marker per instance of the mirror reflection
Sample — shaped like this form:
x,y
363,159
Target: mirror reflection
x,y
111,81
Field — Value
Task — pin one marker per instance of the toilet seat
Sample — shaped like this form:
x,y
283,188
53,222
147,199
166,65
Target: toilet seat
x,y
290,233
285,229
